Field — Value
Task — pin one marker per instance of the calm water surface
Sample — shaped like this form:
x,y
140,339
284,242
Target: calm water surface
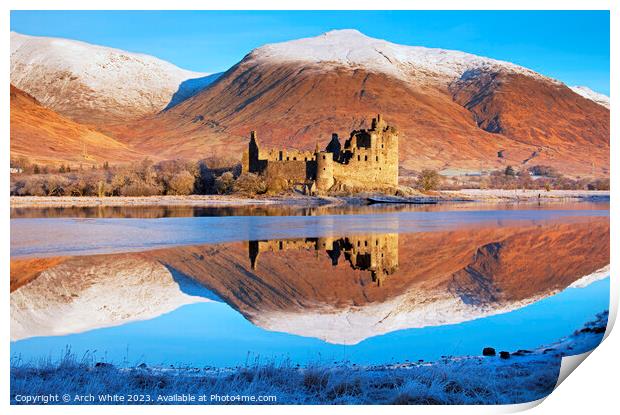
x,y
371,286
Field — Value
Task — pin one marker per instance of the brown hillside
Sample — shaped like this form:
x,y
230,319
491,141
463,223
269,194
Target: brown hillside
x,y
44,136
431,262
293,106
564,125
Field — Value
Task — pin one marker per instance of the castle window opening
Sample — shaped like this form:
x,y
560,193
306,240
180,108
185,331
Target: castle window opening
x,y
323,156
365,158
358,157
295,158
377,158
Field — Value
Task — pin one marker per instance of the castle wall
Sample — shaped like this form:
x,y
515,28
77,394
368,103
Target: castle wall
x,y
376,253
286,155
369,159
297,171
376,165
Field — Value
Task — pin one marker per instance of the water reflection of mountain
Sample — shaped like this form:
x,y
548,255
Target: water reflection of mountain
x,y
376,253
83,293
328,287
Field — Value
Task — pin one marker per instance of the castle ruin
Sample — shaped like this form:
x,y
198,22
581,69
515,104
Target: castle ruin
x,y
375,253
367,160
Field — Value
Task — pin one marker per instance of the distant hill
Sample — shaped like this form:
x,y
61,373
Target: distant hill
x,y
95,84
46,137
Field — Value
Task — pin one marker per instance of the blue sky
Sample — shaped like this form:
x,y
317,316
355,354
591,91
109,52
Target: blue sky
x,y
572,46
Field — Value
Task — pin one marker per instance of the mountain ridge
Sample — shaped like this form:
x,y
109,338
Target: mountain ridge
x,y
293,98
449,106
88,83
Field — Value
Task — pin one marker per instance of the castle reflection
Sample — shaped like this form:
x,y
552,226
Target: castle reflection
x,y
376,253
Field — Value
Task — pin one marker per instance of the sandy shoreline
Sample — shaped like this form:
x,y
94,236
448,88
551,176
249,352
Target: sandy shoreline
x,y
474,195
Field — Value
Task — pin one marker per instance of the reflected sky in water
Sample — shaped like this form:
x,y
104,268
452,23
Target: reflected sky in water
x,y
213,334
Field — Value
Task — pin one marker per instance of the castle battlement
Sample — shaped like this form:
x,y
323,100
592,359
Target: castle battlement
x,y
368,159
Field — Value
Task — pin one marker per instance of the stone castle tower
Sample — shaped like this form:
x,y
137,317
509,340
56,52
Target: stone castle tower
x,y
367,160
374,253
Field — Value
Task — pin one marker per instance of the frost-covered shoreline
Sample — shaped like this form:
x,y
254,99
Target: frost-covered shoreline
x,y
472,195
518,377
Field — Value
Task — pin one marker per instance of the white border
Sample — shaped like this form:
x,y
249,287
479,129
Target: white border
x,y
592,390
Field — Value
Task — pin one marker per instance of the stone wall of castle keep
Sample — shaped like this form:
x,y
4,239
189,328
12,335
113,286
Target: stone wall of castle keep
x,y
368,159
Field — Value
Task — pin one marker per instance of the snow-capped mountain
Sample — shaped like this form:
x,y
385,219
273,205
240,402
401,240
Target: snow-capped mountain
x,y
352,49
96,84
453,110
597,97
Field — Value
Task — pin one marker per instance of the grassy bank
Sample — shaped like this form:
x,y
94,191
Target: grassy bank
x,y
518,377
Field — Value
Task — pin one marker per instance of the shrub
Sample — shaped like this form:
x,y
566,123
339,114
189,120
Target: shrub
x,y
32,186
56,185
276,184
181,183
103,188
250,184
545,171
428,180
224,183
510,171
600,184
140,188
119,181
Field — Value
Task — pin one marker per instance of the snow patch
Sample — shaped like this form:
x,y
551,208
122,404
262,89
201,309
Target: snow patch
x,y
353,49
92,76
586,280
88,293
586,92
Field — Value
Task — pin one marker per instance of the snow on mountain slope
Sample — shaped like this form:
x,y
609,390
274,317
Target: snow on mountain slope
x,y
86,293
453,110
415,309
351,48
96,84
586,92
